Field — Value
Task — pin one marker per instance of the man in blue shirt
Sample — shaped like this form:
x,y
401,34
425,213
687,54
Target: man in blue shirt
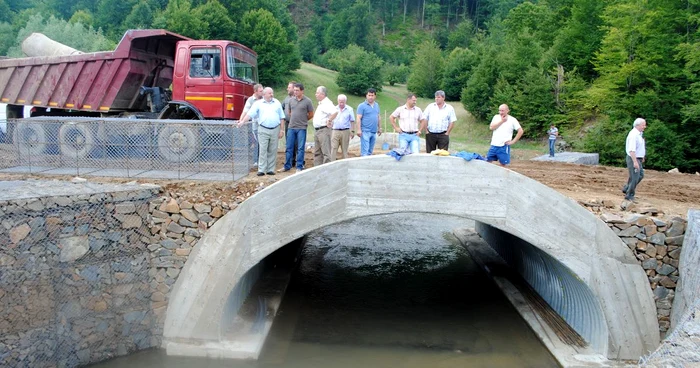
x,y
368,123
270,117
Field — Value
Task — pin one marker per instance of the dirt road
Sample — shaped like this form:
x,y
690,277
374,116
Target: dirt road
x,y
671,193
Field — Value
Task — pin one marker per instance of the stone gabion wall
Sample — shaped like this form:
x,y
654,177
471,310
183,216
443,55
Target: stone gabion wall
x,y
176,225
657,243
74,278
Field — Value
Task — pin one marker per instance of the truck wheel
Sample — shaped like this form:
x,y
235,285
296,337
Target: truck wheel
x,y
75,140
178,143
30,138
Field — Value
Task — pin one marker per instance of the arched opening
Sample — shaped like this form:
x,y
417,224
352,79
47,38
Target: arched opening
x,y
492,196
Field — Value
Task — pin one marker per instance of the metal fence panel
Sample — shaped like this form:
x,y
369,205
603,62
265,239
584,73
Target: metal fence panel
x,y
165,149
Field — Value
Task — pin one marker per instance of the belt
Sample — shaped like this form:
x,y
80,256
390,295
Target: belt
x,y
443,132
262,126
342,129
411,132
323,127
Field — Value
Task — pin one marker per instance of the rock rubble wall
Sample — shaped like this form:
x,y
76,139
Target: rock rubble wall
x,y
74,278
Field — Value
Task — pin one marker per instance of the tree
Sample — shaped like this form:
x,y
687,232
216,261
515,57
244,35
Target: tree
x,y
579,39
538,19
457,71
141,16
395,73
352,26
74,35
110,15
260,31
5,12
426,69
358,70
178,17
215,15
5,42
82,17
460,36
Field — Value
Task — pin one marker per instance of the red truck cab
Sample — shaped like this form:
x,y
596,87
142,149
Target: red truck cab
x,y
215,77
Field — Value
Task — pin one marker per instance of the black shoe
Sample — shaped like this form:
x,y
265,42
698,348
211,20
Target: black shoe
x,y
260,173
270,173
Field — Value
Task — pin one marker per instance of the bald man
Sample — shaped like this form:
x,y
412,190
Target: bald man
x,y
503,126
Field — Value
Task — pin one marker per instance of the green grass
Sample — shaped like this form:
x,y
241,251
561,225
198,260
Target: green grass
x,y
468,134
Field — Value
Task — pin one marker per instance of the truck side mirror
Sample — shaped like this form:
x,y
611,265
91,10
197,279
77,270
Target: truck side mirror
x,y
206,61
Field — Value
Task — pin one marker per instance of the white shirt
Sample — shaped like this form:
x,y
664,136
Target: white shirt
x,y
503,133
323,112
248,104
439,119
635,142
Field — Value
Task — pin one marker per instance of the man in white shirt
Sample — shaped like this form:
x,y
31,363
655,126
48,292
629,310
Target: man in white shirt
x,y
635,147
269,114
323,120
503,126
438,120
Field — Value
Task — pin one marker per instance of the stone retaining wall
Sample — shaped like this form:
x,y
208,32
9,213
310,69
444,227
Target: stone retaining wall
x,y
175,227
74,281
656,242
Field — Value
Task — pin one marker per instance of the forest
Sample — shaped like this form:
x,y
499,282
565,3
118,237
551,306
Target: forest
x,y
590,67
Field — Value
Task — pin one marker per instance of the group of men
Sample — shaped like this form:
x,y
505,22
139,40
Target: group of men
x,y
335,125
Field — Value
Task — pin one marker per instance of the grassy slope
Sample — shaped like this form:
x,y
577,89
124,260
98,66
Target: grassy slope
x,y
467,135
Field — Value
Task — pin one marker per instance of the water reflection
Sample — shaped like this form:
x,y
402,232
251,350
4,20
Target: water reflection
x,y
386,291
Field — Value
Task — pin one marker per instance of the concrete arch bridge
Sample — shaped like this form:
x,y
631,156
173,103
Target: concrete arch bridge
x,y
568,255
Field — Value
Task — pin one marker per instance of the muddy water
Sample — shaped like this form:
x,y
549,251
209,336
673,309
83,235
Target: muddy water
x,y
386,291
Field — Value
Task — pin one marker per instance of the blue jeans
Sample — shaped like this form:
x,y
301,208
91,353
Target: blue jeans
x,y
412,139
551,147
297,136
367,143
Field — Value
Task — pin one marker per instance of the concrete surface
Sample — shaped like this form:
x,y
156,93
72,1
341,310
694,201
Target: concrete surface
x,y
571,157
24,189
421,183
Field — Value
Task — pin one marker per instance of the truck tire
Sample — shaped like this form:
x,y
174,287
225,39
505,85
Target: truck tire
x,y
178,143
76,140
29,138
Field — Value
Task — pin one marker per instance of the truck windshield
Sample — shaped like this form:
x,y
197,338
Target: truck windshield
x,y
241,64
211,56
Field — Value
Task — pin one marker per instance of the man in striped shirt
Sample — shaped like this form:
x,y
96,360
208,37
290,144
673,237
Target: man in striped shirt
x,y
409,124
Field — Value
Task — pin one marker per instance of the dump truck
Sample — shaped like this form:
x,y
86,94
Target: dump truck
x,y
151,74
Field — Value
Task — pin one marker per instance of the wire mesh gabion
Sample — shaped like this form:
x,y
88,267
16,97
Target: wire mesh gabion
x,y
74,278
682,347
167,149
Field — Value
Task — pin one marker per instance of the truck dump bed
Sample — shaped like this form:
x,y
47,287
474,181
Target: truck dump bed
x,y
97,82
